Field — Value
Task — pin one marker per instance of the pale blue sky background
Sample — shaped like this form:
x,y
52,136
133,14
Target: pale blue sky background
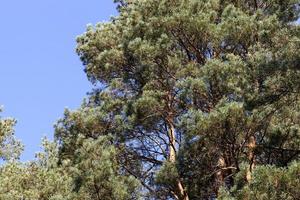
x,y
40,73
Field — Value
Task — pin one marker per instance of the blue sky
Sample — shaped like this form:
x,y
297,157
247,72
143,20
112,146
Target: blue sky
x,y
40,71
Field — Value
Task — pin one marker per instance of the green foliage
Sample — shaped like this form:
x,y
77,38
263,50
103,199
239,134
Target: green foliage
x,y
40,179
167,175
10,147
97,174
192,100
269,182
94,176
215,74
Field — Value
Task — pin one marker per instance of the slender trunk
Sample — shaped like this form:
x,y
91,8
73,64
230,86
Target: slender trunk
x,y
219,175
182,194
251,158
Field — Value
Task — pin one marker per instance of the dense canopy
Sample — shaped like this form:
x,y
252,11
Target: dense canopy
x,y
192,99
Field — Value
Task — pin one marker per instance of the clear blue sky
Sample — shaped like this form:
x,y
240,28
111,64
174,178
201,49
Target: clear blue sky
x,y
40,71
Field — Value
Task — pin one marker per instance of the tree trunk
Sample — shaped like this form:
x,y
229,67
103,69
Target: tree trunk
x,y
219,175
251,158
182,194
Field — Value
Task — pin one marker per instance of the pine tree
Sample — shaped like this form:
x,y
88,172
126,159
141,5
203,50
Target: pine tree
x,y
191,91
198,87
192,100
